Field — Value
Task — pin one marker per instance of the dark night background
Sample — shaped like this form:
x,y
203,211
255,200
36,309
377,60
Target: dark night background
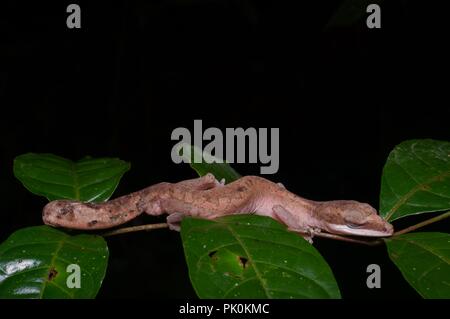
x,y
342,96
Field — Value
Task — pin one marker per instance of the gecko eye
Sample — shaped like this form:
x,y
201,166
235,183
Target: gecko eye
x,y
354,219
353,225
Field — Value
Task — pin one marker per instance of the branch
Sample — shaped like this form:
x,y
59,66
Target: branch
x,y
135,229
422,224
149,227
372,242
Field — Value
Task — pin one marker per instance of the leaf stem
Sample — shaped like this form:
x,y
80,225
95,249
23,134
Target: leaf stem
x,y
135,229
422,224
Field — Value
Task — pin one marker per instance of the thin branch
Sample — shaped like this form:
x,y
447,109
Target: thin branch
x,y
135,229
149,227
380,241
371,242
350,239
422,224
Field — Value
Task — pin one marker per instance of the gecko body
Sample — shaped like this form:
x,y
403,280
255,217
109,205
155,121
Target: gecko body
x,y
205,197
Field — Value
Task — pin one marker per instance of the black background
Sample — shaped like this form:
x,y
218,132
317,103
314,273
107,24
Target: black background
x,y
342,97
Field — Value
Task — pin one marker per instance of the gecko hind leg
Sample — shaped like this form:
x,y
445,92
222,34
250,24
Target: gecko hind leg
x,y
205,182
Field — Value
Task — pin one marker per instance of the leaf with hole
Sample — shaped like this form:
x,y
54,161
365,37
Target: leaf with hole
x,y
203,163
34,264
424,260
88,180
416,179
250,256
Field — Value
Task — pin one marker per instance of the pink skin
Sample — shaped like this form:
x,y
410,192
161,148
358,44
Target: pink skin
x,y
205,197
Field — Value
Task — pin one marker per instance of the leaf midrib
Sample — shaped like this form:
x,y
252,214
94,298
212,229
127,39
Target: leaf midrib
x,y
250,258
221,224
52,265
418,187
75,182
426,248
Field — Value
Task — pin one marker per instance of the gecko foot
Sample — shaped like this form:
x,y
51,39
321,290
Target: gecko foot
x,y
220,183
304,233
174,221
309,239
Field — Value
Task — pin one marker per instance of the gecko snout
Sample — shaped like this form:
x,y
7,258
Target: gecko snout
x,y
389,229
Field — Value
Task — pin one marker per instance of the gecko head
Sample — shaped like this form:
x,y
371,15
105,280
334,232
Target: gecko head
x,y
353,218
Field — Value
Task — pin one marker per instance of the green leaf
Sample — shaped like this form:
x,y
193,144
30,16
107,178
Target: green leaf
x,y
249,256
88,180
34,264
204,163
424,260
416,179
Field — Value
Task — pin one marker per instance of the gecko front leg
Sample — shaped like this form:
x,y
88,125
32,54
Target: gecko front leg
x,y
178,209
286,217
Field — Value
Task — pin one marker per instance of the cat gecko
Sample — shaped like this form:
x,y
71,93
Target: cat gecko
x,y
205,197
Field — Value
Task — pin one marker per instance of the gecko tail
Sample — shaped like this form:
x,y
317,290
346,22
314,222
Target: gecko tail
x,y
79,215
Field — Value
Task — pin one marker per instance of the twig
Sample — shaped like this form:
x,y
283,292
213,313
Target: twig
x,y
422,224
135,229
149,227
380,241
373,242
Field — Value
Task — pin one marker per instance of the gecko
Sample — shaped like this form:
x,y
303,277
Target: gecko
x,y
206,197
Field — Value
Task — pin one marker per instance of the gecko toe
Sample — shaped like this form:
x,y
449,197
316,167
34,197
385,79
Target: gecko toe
x,y
174,221
220,183
175,227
